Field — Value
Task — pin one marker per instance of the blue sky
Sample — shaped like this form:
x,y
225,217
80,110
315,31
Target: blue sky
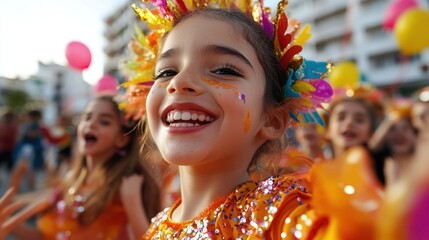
x,y
33,30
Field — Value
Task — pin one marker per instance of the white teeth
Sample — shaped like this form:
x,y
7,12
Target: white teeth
x,y
177,116
201,118
194,116
186,116
184,124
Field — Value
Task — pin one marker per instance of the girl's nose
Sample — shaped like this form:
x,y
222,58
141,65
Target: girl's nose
x,y
92,123
349,122
185,82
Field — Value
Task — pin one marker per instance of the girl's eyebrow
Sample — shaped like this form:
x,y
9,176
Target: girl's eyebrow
x,y
359,114
107,115
217,49
169,53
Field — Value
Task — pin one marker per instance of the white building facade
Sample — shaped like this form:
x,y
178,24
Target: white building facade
x,y
62,90
119,29
353,30
54,89
341,30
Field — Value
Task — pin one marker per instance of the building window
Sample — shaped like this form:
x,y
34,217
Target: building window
x,y
335,43
376,33
389,59
329,20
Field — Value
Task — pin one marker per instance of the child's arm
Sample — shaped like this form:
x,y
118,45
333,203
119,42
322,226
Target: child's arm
x,y
15,224
18,174
7,209
51,138
378,138
25,232
132,202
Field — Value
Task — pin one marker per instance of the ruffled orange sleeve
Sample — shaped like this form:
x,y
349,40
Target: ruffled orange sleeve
x,y
347,195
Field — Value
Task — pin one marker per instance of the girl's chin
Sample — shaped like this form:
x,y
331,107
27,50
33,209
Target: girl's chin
x,y
352,144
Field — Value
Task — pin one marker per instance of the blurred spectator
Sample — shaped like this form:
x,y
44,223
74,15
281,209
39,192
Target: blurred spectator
x,y
310,141
8,138
351,122
29,151
420,110
395,139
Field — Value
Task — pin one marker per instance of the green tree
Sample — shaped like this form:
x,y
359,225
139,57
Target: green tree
x,y
16,100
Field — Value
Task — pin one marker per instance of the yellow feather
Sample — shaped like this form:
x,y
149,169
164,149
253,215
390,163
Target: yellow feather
x,y
303,36
301,86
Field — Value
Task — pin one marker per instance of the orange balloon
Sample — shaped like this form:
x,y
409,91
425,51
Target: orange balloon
x,y
412,31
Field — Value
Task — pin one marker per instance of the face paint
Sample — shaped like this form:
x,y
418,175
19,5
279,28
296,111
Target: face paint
x,y
161,84
247,122
218,84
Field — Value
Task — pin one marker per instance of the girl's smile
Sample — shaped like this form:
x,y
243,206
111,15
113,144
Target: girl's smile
x,y
186,116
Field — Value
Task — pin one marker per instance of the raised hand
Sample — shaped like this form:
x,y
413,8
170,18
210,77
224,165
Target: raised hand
x,y
11,218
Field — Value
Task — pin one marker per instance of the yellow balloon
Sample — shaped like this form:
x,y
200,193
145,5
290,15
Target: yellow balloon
x,y
344,75
412,31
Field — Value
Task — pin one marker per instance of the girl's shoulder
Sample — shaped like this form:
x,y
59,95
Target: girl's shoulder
x,y
260,207
272,191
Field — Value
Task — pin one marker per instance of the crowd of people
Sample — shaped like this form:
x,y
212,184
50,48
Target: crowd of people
x,y
210,147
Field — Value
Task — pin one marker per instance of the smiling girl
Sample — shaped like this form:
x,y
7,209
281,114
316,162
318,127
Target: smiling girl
x,y
216,108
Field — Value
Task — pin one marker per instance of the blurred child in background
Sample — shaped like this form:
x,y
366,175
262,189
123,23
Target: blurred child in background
x,y
88,202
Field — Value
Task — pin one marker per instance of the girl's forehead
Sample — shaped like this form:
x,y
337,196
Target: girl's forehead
x,y
100,106
403,122
206,29
351,106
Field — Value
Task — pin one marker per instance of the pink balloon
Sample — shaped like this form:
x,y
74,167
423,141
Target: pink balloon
x,y
107,84
78,55
395,10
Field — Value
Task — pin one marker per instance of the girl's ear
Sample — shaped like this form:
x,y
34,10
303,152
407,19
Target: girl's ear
x,y
275,124
122,140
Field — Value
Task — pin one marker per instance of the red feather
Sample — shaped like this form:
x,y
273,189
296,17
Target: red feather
x,y
285,40
292,51
282,26
182,6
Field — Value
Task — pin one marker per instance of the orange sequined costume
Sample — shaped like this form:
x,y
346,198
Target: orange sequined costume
x,y
273,207
60,223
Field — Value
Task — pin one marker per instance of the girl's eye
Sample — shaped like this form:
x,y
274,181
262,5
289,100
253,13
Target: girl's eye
x,y
86,117
228,70
360,120
164,73
104,122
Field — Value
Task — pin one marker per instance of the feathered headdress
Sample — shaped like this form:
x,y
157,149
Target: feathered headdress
x,y
305,88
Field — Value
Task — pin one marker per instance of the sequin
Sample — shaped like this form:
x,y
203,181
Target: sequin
x,y
247,213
